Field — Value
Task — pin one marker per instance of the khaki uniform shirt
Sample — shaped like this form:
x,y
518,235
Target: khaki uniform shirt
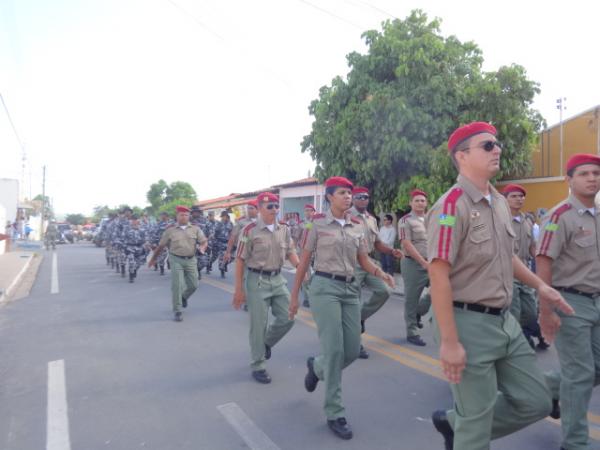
x,y
240,224
182,242
477,239
262,249
335,247
571,237
412,228
524,237
371,228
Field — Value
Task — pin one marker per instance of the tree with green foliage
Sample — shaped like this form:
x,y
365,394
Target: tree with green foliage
x,y
386,125
75,219
164,197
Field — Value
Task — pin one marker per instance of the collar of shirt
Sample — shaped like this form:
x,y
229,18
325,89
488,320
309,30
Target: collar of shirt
x,y
518,218
261,224
476,196
580,207
329,218
183,227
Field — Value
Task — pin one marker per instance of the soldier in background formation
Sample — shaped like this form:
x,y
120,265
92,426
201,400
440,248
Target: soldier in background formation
x,y
134,244
51,235
221,238
303,227
157,232
240,223
211,223
201,222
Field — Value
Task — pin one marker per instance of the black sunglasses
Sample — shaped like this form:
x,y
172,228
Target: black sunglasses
x,y
361,197
272,206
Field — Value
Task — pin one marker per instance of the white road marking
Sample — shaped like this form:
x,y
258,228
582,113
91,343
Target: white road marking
x,y
57,431
253,436
54,284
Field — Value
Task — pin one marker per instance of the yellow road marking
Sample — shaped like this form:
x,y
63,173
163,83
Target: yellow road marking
x,y
415,360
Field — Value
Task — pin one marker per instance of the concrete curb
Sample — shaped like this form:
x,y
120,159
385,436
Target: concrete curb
x,y
4,295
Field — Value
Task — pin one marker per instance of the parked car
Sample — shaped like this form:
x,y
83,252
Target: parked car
x,y
65,234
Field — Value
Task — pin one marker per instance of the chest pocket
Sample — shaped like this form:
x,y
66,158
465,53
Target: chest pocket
x,y
586,247
480,240
419,232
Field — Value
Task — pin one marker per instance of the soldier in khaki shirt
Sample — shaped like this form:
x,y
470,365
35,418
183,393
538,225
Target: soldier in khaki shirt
x,y
496,384
380,292
182,240
337,241
413,238
240,223
568,257
263,248
524,304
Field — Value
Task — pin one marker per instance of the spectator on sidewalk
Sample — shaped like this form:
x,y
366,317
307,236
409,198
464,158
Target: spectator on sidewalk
x,y
387,234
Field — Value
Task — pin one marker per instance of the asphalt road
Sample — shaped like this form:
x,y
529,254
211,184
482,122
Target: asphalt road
x,y
133,378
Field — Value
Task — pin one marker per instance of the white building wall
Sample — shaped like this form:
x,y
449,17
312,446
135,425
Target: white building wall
x,y
9,198
316,191
3,220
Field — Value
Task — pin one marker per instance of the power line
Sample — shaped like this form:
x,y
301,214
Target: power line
x,y
195,19
376,8
329,13
12,125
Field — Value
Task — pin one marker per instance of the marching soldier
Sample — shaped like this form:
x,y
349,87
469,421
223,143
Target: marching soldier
x,y
50,235
240,224
413,238
182,240
568,258
496,384
134,244
337,240
211,224
120,232
381,292
263,248
200,221
221,238
160,227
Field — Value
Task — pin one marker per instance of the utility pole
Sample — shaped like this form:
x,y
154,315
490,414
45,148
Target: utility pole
x,y
560,105
43,202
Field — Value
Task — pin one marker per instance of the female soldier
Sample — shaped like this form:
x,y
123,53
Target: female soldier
x,y
337,241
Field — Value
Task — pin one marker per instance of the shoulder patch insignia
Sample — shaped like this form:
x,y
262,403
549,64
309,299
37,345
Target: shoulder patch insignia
x,y
308,225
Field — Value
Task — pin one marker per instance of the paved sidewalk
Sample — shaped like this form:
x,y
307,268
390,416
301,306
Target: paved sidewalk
x,y
13,266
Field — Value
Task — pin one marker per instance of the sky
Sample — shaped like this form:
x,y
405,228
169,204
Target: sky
x,y
113,95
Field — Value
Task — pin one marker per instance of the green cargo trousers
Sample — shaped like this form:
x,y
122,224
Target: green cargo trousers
x,y
524,304
502,389
336,309
578,347
415,280
380,290
264,292
184,279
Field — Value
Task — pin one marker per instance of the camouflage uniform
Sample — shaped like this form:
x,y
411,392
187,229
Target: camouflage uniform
x,y
201,258
221,237
134,242
120,232
156,234
210,250
50,236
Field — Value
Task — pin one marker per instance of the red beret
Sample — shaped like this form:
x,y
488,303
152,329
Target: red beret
x,y
338,182
181,208
266,197
360,190
582,158
514,188
309,206
416,192
253,203
466,131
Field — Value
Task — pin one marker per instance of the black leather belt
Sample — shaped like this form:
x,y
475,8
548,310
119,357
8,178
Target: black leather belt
x,y
184,257
335,277
478,308
268,273
578,292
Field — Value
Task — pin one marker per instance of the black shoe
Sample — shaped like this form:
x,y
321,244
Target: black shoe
x,y
416,340
419,323
340,428
305,303
311,379
555,413
441,424
363,354
184,302
542,344
362,326
267,352
261,376
178,316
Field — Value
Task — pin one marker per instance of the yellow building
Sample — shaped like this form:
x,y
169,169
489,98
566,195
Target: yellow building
x,y
546,185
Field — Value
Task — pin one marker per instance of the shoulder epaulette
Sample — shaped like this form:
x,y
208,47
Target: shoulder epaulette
x,y
281,222
355,220
248,227
170,226
404,217
447,220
